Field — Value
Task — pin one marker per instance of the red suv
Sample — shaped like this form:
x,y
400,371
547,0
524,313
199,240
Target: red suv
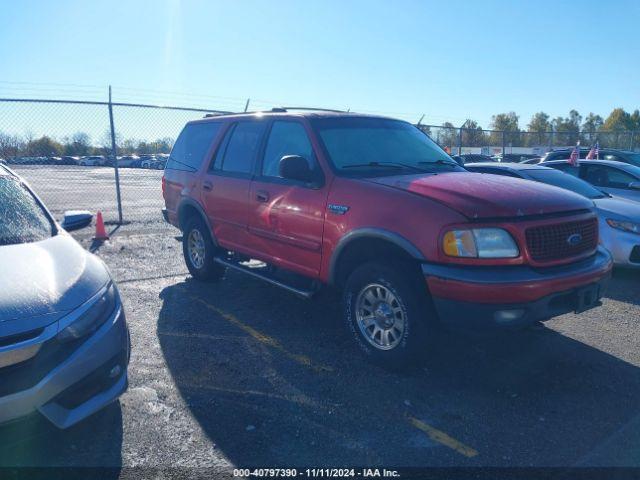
x,y
373,207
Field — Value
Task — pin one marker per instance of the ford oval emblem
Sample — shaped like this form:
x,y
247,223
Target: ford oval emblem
x,y
574,239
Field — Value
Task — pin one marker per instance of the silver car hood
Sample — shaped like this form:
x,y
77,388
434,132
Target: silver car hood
x,y
42,281
618,207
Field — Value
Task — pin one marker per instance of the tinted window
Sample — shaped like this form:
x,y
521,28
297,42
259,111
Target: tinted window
x,y
607,177
286,138
22,219
568,182
565,167
191,146
239,148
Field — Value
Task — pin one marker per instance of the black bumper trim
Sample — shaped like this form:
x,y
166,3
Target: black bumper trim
x,y
473,316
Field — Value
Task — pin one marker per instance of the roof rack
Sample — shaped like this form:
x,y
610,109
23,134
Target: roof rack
x,y
313,109
275,110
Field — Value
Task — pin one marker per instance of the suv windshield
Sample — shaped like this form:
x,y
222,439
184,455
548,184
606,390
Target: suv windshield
x,y
22,219
377,145
566,181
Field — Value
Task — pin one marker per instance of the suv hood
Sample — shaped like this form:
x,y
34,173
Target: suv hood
x,y
41,281
481,195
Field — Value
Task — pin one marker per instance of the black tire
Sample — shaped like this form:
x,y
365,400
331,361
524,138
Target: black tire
x,y
409,291
206,270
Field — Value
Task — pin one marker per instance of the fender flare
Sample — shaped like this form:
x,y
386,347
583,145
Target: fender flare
x,y
189,202
374,233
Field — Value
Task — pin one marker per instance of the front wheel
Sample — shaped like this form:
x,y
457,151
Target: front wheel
x,y
199,252
388,314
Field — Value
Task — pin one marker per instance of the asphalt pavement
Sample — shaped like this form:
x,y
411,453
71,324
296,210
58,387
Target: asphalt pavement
x,y
240,373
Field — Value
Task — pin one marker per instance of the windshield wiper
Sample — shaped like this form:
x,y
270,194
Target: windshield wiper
x,y
439,162
385,165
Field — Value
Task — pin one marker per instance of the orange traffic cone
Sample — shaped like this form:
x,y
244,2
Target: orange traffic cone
x,y
101,233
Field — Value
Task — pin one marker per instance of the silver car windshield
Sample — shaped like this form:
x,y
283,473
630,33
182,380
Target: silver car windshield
x,y
22,219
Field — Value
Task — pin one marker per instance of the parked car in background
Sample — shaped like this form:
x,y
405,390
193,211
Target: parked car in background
x,y
472,158
159,164
375,208
92,161
64,342
513,157
617,178
148,161
611,154
532,161
127,161
619,218
69,160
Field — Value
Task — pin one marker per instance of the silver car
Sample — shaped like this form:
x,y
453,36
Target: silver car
x,y
619,218
617,178
64,342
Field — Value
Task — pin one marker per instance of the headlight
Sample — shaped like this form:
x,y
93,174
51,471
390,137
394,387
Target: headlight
x,y
89,317
625,226
480,243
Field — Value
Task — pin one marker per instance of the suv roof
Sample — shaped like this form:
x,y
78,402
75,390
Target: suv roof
x,y
287,112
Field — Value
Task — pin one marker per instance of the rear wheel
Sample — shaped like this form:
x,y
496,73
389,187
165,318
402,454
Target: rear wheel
x,y
388,314
199,251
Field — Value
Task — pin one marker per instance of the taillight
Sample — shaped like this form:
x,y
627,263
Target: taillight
x,y
163,185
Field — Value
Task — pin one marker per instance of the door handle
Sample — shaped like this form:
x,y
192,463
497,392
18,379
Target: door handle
x,y
207,186
262,196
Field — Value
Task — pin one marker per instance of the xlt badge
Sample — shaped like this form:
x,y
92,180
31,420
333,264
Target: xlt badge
x,y
338,209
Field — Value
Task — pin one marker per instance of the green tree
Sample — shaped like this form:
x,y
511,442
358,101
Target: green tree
x,y
44,147
508,123
538,128
618,121
447,136
472,134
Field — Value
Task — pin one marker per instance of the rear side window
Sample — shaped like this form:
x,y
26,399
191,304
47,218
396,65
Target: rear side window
x,y
238,151
191,146
22,219
607,177
286,138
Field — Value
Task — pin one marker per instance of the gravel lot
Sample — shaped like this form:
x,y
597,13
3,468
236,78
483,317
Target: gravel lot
x,y
240,373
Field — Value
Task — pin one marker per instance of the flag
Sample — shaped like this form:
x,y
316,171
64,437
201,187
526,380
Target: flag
x,y
594,152
575,155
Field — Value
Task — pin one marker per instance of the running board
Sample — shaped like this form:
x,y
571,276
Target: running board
x,y
249,271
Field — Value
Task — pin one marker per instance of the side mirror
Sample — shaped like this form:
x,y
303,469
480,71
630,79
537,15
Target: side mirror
x,y
634,185
295,167
76,219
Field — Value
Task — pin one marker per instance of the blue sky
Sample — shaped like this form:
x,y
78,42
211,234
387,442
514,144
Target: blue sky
x,y
450,60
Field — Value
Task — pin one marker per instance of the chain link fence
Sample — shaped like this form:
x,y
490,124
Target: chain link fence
x,y
460,140
109,156
65,150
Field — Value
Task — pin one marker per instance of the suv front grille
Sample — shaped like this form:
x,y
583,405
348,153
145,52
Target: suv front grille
x,y
553,242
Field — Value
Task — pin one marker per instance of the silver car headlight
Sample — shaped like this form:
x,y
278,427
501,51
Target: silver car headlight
x,y
87,318
624,226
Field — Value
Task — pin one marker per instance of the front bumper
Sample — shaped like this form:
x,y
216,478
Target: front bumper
x,y
81,385
624,246
476,298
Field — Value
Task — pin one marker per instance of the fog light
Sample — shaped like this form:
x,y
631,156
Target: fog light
x,y
507,316
115,371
